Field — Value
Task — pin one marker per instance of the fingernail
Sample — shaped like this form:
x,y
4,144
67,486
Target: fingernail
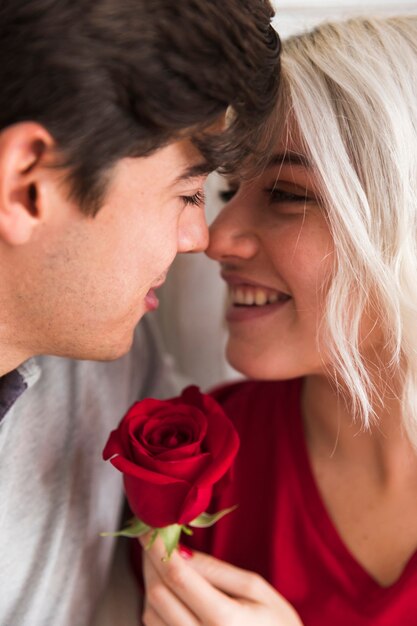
x,y
185,552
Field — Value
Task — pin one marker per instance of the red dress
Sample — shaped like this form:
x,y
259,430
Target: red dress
x,y
281,528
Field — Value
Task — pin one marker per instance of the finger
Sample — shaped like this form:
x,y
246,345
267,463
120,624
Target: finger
x,y
145,539
234,581
198,594
151,618
161,600
244,586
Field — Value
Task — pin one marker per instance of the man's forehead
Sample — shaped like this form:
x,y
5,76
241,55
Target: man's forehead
x,y
195,170
180,162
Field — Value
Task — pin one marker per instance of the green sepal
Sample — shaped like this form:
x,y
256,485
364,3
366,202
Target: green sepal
x,y
135,528
170,535
205,520
152,539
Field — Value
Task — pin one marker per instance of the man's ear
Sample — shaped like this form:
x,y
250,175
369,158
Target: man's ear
x,y
24,150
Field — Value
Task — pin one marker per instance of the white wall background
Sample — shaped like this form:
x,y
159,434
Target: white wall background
x,y
192,300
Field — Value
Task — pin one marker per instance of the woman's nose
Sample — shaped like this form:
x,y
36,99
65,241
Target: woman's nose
x,y
231,234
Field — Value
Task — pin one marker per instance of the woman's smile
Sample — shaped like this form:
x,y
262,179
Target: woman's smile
x,y
249,300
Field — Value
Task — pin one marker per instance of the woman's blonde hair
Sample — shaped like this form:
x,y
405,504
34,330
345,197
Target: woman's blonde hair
x,y
352,89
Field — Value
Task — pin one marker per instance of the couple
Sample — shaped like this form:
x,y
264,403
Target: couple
x,y
113,113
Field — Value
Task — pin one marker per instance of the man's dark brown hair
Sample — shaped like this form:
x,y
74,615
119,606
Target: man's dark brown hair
x,y
117,78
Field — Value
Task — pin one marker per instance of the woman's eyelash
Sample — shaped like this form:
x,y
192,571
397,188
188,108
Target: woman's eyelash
x,y
196,199
275,195
278,195
227,194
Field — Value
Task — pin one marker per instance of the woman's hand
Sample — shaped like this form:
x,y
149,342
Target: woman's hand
x,y
202,590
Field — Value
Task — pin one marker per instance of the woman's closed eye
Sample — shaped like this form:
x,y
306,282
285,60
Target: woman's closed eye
x,y
276,195
225,195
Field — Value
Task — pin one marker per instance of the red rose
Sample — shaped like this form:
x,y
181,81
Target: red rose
x,y
171,453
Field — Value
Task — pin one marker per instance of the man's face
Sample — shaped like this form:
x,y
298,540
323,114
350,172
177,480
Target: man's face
x,y
88,281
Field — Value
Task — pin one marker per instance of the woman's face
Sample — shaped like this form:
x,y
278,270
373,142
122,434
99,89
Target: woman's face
x,y
276,254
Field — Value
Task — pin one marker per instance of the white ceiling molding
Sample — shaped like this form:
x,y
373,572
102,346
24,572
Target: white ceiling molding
x,y
294,16
291,5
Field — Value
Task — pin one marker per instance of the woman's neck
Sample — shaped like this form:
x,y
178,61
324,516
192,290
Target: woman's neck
x,y
331,430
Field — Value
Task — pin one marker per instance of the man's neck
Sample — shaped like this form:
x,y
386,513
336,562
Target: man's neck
x,y
14,348
11,357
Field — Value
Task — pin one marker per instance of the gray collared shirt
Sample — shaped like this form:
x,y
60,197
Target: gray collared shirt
x,y
13,384
56,492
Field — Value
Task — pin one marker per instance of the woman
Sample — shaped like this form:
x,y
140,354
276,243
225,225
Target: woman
x,y
320,257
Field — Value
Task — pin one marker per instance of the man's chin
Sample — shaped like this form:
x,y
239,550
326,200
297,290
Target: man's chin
x,y
111,352
111,349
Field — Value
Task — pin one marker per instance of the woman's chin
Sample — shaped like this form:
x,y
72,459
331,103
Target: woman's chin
x,y
261,365
248,364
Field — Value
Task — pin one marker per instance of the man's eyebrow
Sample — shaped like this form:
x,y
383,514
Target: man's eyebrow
x,y
194,171
289,158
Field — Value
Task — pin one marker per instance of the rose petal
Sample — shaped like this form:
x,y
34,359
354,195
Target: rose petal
x,y
113,445
192,421
184,469
222,441
196,502
176,454
138,413
179,454
135,471
156,505
189,427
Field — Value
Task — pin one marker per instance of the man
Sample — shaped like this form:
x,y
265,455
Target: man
x,y
111,116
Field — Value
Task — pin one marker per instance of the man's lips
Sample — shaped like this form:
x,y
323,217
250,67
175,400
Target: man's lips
x,y
151,299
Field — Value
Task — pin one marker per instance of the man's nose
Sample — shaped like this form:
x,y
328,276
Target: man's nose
x,y
193,232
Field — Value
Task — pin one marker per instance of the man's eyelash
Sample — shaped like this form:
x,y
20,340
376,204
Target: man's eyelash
x,y
196,199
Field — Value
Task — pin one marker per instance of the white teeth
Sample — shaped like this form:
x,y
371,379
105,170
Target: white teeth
x,y
249,297
255,296
260,297
238,296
